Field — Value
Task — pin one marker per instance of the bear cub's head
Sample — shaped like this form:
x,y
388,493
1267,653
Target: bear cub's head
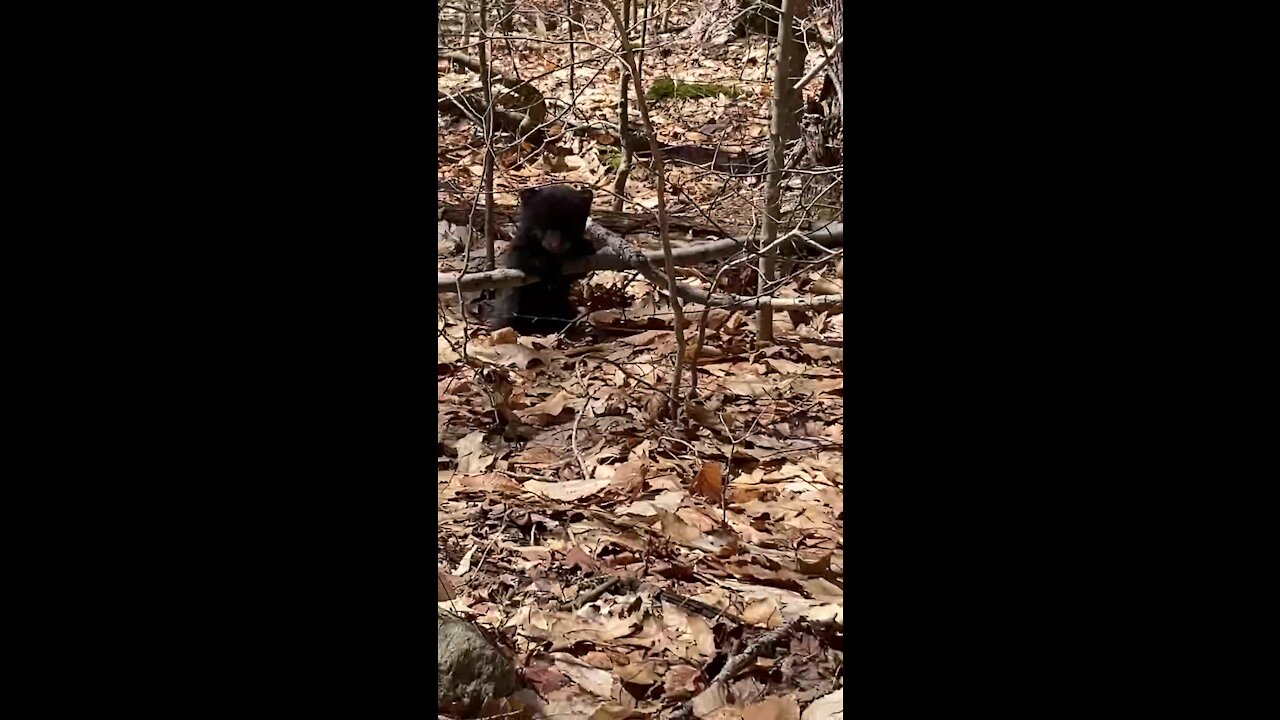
x,y
554,217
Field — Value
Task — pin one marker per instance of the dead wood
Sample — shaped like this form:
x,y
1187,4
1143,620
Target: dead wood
x,y
620,255
620,222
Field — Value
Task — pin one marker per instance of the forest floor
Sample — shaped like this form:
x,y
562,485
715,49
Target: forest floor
x,y
559,468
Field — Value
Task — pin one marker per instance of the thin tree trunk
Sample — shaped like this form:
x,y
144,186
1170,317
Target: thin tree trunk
x,y
664,234
778,134
624,165
490,229
573,62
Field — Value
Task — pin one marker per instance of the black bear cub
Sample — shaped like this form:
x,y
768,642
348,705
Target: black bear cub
x,y
549,231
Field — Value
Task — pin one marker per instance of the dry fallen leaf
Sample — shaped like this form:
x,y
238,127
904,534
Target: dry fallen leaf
x,y
551,406
640,673
509,355
681,682
708,482
710,700
764,613
827,707
567,490
471,456
598,682
773,708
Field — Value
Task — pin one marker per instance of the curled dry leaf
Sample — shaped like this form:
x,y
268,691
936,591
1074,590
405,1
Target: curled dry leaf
x,y
628,478
509,355
681,682
718,541
823,352
490,482
552,406
598,682
711,700
639,673
708,482
703,416
786,367
825,287
647,338
471,456
764,613
505,336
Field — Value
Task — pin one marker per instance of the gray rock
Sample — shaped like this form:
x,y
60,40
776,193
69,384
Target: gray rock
x,y
469,668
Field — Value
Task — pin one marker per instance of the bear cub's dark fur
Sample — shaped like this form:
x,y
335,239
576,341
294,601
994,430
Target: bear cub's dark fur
x,y
549,231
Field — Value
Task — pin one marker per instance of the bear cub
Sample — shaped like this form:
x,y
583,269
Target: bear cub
x,y
549,231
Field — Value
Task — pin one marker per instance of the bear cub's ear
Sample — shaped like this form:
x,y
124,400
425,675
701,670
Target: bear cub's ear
x,y
527,195
585,196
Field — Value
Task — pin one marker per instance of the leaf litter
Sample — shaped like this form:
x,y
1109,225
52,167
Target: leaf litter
x,y
625,563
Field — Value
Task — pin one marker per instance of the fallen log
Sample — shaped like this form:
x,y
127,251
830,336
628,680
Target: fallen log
x,y
619,255
619,222
604,260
